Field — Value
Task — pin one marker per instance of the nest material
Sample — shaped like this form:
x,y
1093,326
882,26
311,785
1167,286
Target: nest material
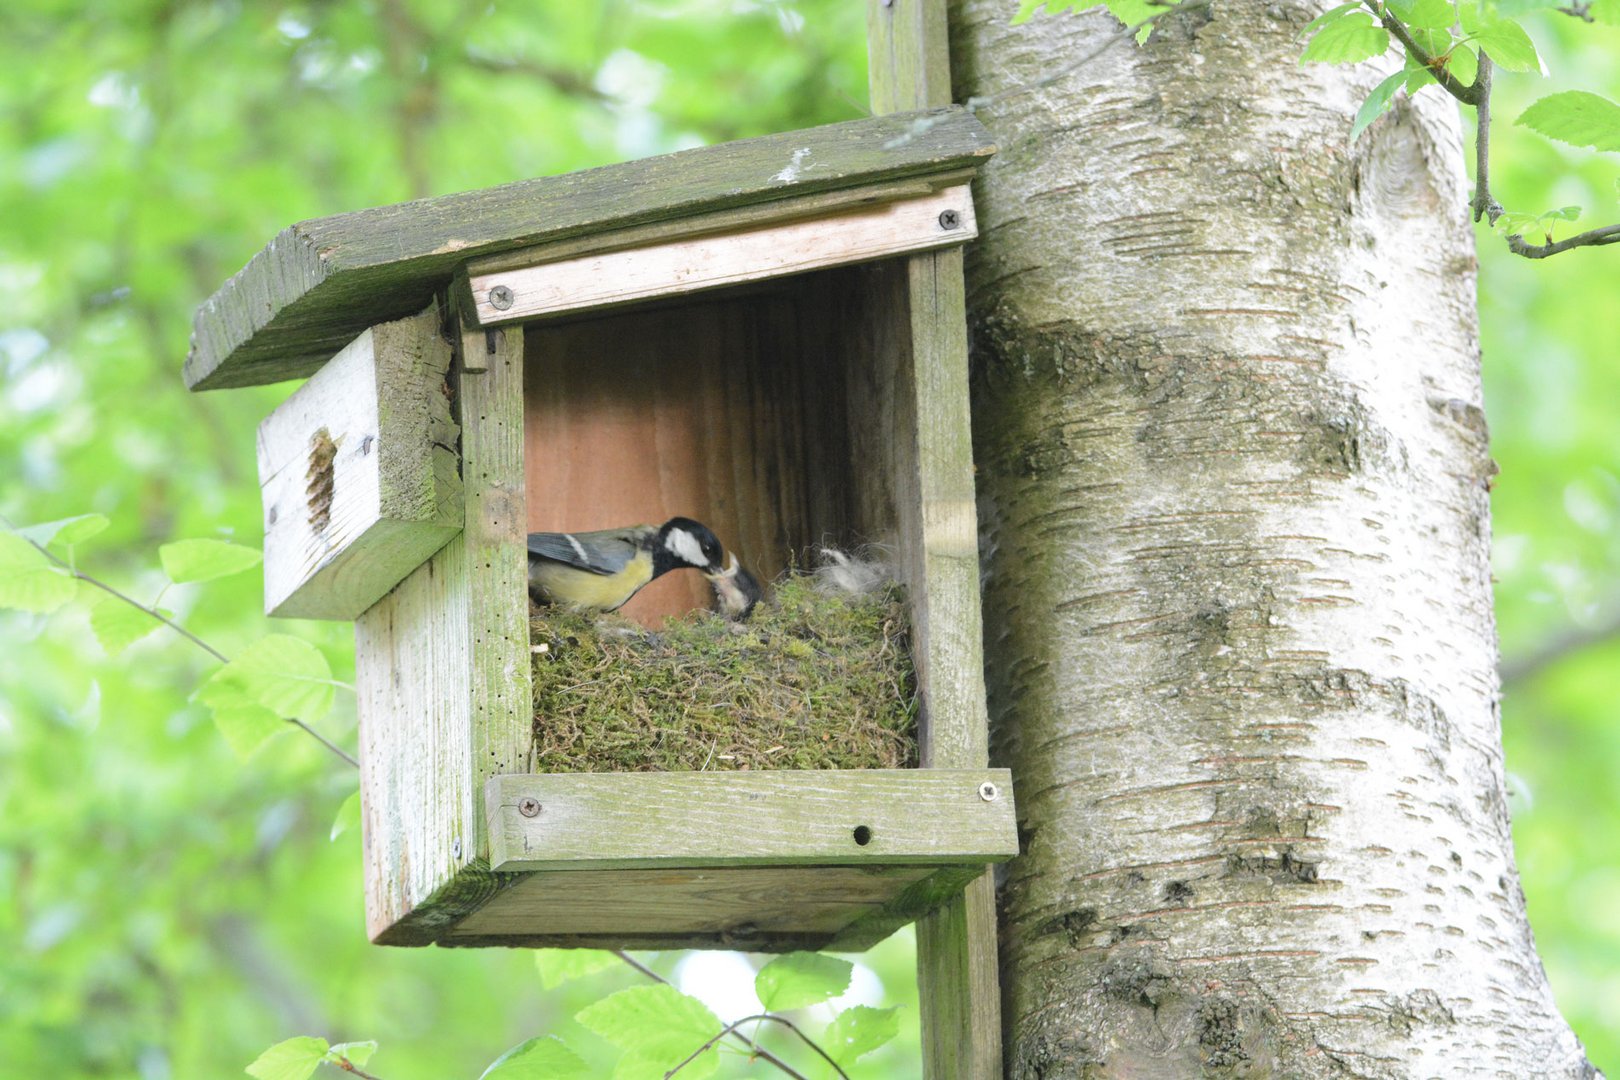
x,y
819,678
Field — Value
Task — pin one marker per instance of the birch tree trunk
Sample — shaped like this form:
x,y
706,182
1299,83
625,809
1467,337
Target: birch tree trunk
x,y
1233,481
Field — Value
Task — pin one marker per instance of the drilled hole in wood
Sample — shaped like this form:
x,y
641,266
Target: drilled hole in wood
x,y
321,479
863,835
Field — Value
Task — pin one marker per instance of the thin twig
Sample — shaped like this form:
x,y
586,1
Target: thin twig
x,y
731,1028
172,625
350,1067
753,1047
570,83
1581,9
1518,668
1485,204
1608,234
1125,33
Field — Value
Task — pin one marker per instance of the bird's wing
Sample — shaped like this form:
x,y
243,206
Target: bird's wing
x,y
605,552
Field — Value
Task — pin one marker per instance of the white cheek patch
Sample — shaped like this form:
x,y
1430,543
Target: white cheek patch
x,y
684,546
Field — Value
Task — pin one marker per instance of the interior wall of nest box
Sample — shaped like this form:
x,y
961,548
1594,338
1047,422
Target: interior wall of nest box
x,y
759,410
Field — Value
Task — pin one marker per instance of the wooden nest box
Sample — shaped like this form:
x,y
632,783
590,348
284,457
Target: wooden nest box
x,y
767,336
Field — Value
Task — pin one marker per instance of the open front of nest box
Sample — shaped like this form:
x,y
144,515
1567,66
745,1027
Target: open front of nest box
x,y
768,336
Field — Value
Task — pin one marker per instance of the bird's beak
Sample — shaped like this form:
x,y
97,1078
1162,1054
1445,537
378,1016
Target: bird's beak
x,y
728,572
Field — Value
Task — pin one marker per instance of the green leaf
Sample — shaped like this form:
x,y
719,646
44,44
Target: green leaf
x,y
656,1025
247,727
204,560
558,966
358,1053
292,1059
1516,224
348,816
1576,117
28,580
1563,213
1349,40
118,624
545,1058
284,674
1331,15
1503,40
1463,65
858,1030
1377,103
800,979
67,532
1424,14
1433,42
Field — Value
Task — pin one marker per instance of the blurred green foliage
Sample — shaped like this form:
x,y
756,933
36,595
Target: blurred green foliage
x,y
167,911
1552,394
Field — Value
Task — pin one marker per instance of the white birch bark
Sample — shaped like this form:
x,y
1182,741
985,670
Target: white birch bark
x,y
1233,481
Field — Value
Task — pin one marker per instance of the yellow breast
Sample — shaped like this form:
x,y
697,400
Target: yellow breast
x,y
599,592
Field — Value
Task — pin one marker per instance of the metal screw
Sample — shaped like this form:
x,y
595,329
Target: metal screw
x,y
948,219
529,806
988,792
455,848
500,298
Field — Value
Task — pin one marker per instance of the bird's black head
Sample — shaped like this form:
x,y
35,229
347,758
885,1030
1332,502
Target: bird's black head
x,y
684,542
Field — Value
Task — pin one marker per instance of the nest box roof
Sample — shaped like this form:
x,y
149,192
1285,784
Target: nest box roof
x,y
319,283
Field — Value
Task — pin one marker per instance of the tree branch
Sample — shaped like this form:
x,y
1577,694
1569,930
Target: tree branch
x,y
567,82
1468,95
731,1029
1485,204
1608,234
1532,662
753,1047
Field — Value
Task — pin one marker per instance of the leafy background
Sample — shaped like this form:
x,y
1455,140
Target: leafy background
x,y
167,910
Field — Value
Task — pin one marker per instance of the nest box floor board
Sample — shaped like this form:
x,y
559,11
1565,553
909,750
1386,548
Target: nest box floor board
x,y
754,907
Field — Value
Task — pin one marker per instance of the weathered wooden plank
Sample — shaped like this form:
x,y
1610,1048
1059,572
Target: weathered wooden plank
x,y
884,816
497,560
442,667
694,264
728,907
960,998
778,211
413,688
359,475
320,282
956,945
908,60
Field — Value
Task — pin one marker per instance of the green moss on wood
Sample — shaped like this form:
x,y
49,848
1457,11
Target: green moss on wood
x,y
811,681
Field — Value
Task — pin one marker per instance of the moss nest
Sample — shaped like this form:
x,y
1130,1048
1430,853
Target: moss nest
x,y
818,678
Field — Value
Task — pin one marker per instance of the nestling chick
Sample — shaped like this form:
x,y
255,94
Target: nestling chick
x,y
599,571
736,591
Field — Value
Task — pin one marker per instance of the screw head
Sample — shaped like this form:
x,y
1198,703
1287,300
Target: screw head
x,y
950,219
529,806
989,792
455,848
500,298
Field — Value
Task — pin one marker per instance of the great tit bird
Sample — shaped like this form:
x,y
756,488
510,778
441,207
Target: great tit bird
x,y
736,591
600,570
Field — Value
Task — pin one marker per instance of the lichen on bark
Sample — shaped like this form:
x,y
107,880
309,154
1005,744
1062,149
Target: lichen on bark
x,y
1235,524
